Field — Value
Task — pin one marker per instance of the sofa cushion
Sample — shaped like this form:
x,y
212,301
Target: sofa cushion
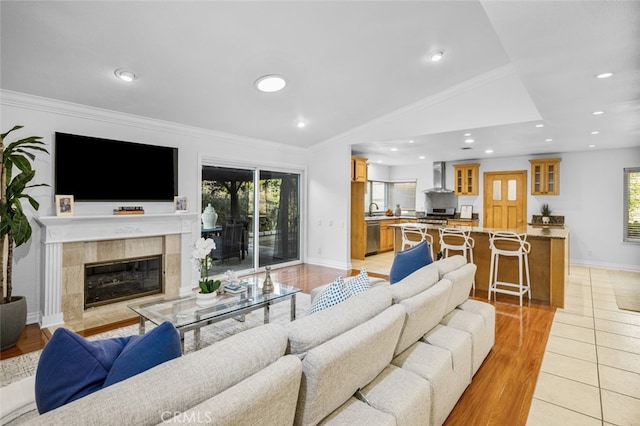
x,y
416,282
424,311
451,263
71,367
462,281
335,293
334,370
310,331
407,261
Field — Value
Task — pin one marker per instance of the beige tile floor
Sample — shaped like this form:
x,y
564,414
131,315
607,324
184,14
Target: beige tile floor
x,y
590,374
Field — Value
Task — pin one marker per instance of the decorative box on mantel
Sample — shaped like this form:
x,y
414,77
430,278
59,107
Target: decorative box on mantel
x,y
129,229
554,221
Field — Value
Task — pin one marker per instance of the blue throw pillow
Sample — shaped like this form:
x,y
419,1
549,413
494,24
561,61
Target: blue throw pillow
x,y
408,261
71,366
144,352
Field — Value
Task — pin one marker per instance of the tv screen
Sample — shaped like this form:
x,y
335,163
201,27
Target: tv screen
x,y
94,169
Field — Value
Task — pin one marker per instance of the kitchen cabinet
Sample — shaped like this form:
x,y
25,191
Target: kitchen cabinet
x,y
462,222
358,224
466,179
545,176
358,169
386,235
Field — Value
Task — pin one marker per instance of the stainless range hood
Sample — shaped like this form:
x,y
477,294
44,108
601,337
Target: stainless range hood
x,y
439,179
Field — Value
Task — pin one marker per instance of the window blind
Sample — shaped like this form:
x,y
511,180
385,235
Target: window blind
x,y
631,201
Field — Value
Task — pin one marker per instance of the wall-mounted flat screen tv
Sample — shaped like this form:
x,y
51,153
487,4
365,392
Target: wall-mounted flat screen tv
x,y
95,169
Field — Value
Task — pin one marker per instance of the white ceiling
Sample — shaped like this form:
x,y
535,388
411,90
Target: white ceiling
x,y
356,70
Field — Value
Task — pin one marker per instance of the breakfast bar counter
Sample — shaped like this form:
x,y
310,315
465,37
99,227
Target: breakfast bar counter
x,y
548,259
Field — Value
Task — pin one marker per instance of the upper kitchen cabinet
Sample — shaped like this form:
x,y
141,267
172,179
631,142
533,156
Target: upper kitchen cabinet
x,y
545,176
466,179
358,169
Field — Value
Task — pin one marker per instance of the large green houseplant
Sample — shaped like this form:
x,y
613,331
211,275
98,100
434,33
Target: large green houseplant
x,y
15,177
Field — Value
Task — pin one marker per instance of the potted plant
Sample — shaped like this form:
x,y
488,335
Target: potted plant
x,y
208,288
16,174
546,213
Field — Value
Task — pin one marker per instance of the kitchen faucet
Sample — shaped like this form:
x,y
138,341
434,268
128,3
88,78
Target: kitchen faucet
x,y
370,210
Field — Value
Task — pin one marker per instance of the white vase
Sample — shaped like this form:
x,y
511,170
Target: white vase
x,y
206,299
545,220
209,217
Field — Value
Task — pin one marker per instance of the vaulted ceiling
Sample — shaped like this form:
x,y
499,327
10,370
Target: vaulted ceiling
x,y
356,70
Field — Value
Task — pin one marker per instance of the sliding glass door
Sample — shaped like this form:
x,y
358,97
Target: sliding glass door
x,y
258,217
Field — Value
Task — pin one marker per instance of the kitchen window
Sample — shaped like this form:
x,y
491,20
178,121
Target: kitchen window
x,y
386,195
632,204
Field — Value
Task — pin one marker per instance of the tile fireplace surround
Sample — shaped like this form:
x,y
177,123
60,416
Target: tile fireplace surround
x,y
71,242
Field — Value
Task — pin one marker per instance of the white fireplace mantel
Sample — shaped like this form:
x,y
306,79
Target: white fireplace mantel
x,y
58,230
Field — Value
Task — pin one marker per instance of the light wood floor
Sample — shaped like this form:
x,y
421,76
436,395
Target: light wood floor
x,y
502,389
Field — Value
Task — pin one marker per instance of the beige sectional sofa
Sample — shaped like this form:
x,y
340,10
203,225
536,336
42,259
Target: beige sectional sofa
x,y
399,354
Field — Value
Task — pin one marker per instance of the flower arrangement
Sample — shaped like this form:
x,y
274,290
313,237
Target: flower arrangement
x,y
202,255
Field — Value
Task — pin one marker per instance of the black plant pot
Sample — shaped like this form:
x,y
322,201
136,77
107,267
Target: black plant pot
x,y
13,317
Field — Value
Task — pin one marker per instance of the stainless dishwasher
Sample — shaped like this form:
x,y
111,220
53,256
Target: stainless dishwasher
x,y
373,237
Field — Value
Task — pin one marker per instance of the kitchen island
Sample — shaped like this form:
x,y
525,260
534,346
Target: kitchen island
x,y
548,259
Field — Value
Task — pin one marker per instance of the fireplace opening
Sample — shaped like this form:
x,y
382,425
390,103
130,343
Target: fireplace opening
x,y
111,282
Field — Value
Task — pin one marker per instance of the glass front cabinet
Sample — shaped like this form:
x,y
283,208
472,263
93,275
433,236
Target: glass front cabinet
x,y
466,179
545,176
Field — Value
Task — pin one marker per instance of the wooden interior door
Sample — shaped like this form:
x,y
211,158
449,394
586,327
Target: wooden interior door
x,y
505,200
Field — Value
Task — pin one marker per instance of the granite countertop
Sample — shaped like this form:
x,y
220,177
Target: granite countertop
x,y
531,231
383,217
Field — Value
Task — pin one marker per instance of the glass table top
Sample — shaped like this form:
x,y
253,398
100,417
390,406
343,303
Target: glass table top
x,y
183,311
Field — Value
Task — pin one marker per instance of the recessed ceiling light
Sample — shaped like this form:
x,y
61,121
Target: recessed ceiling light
x,y
467,134
436,55
379,161
604,75
598,112
301,124
592,146
548,140
595,132
411,141
422,157
469,141
539,125
393,149
270,83
488,151
125,75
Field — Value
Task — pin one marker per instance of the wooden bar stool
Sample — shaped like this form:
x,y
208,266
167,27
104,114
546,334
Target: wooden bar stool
x,y
457,240
507,243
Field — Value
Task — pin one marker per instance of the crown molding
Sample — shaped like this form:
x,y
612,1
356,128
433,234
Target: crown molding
x,y
86,112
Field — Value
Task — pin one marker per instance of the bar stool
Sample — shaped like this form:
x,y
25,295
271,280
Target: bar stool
x,y
457,240
507,243
413,234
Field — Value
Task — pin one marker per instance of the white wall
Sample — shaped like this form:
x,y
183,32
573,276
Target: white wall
x,y
44,117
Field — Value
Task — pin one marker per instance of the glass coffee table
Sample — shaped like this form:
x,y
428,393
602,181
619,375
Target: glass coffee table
x,y
186,315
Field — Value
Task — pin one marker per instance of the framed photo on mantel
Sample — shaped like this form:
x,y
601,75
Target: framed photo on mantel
x,y
180,204
64,205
